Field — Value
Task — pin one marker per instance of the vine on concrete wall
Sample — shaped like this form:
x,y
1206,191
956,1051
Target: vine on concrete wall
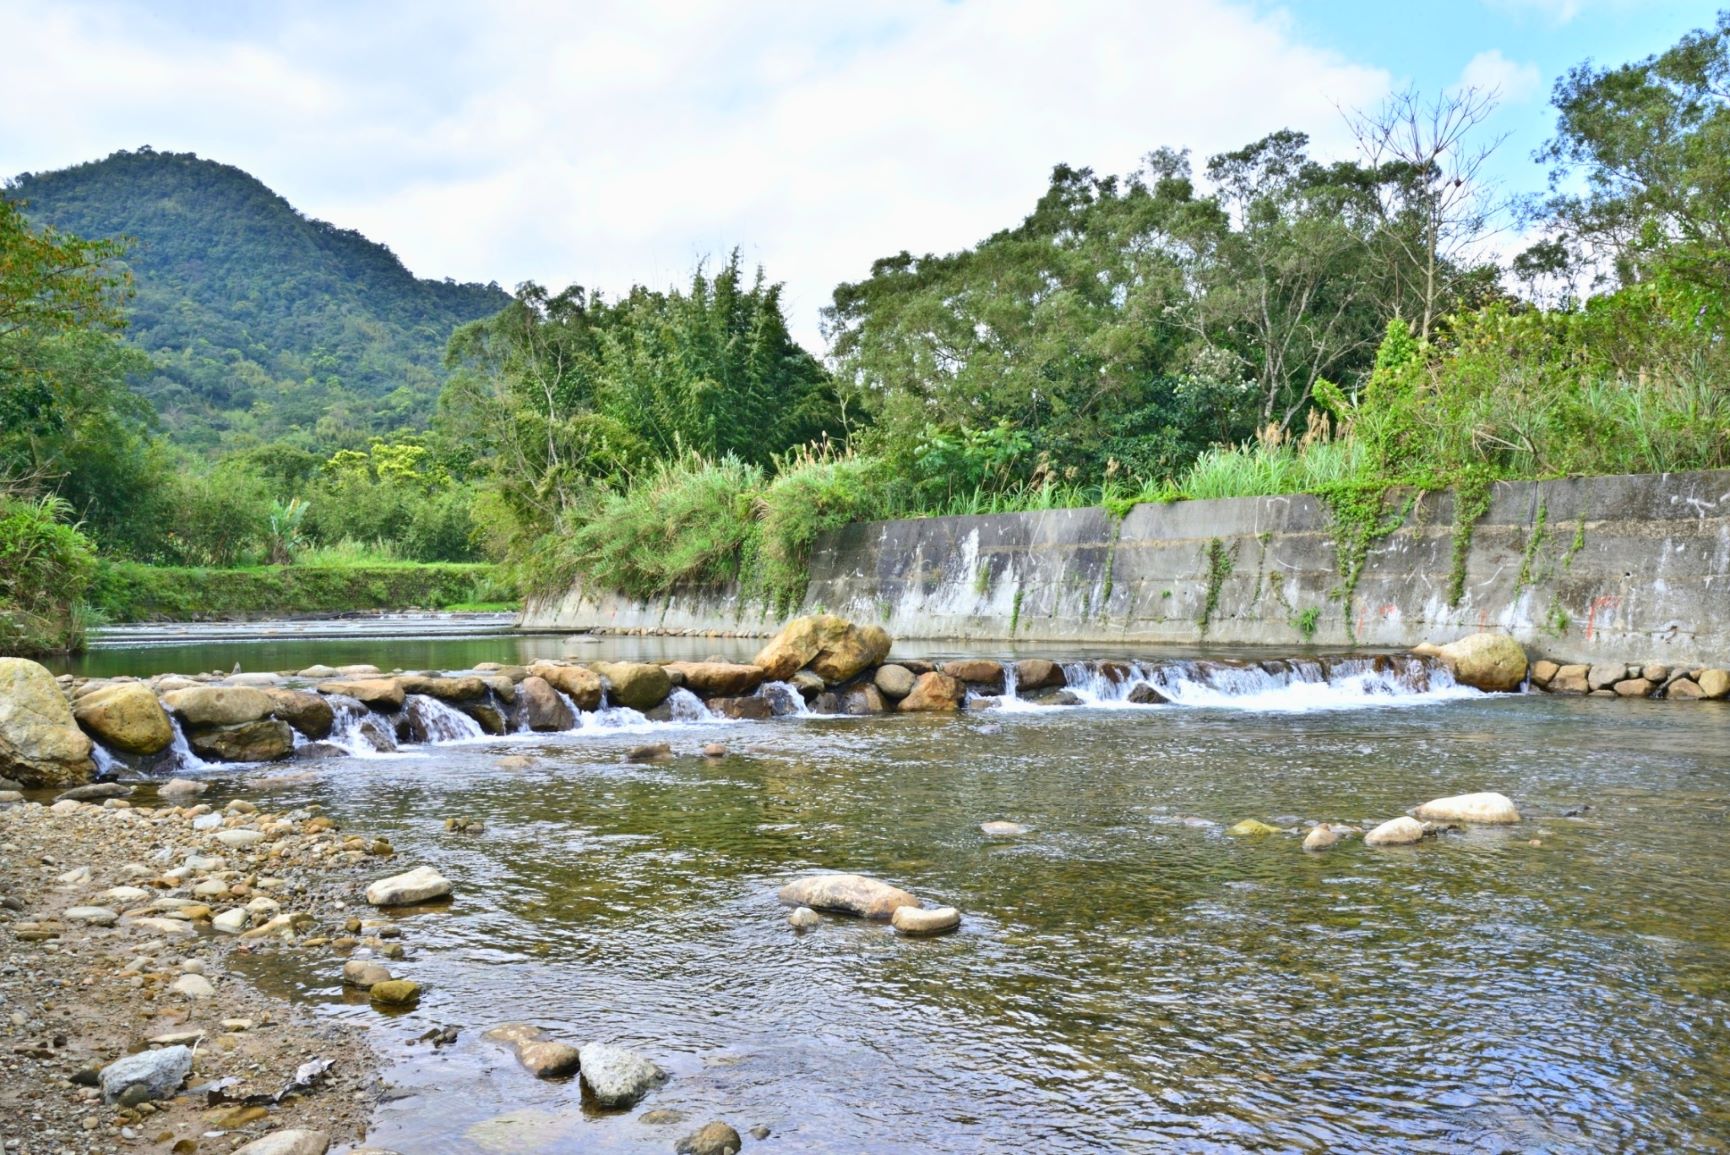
x,y
1220,561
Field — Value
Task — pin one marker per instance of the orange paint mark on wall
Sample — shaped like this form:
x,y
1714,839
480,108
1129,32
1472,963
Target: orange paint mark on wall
x,y
1608,602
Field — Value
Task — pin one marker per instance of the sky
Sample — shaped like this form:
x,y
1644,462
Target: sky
x,y
613,143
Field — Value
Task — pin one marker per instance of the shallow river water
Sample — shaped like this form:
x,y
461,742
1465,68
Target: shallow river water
x,y
1128,976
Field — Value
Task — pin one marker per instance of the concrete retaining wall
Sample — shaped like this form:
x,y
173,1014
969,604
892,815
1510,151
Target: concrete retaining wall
x,y
1619,568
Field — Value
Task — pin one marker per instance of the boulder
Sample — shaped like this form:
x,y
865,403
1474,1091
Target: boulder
x,y
126,716
541,708
40,742
913,920
718,679
582,685
1542,671
262,741
978,671
639,685
649,752
306,712
859,701
146,1076
1252,826
1714,683
1039,674
715,1138
181,788
1400,831
616,1076
1486,808
374,693
219,705
394,992
1655,672
934,693
846,894
1605,674
1143,694
364,974
751,709
422,884
803,918
1487,661
1684,690
1321,838
1570,679
292,1142
893,682
1633,688
998,829
487,716
459,689
834,649
95,792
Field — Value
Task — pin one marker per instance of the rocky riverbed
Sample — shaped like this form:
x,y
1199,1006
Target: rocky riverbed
x,y
110,948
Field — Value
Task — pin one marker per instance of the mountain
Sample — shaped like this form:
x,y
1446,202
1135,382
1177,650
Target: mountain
x,y
264,323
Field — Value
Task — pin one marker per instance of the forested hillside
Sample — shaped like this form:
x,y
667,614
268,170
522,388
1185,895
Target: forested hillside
x,y
264,325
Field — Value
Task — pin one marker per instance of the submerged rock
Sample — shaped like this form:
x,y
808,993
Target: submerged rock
x,y
1487,661
852,894
127,717
540,1055
1252,826
913,920
650,752
1321,838
364,975
147,1075
40,742
618,1077
1143,694
394,992
803,918
1487,808
1402,831
1000,829
421,884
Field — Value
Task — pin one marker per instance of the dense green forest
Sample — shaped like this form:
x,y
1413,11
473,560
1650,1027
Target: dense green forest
x,y
1259,321
262,325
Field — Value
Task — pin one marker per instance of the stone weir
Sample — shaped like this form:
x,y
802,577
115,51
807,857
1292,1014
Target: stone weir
x,y
59,733
1582,570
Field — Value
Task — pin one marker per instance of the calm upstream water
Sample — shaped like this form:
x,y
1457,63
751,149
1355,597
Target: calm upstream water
x,y
1128,977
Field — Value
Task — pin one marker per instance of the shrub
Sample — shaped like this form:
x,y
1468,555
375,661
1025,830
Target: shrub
x,y
45,567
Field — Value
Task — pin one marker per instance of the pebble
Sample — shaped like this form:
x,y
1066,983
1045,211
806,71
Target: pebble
x,y
92,915
715,1138
803,918
240,838
193,987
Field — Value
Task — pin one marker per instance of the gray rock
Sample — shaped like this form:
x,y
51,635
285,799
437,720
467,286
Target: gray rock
x,y
295,1142
895,682
159,1073
803,918
92,915
94,792
421,884
618,1077
1142,694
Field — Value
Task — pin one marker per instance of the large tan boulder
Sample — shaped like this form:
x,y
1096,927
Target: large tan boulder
x,y
934,693
459,689
980,671
639,685
579,683
375,693
1039,674
1493,662
719,679
848,894
834,648
1400,831
1714,683
125,716
307,712
40,742
219,705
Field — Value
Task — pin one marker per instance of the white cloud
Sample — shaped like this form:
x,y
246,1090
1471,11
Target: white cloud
x,y
1491,71
1555,11
620,142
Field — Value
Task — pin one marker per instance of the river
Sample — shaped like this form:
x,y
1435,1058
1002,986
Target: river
x,y
1128,976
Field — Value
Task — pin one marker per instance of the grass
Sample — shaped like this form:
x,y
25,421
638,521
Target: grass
x,y
130,592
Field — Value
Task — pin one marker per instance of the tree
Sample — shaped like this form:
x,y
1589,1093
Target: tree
x,y
1435,210
1651,143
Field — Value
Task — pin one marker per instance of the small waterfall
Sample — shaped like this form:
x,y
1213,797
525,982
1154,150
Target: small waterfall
x,y
430,721
784,699
184,758
1296,685
107,765
613,718
358,730
684,706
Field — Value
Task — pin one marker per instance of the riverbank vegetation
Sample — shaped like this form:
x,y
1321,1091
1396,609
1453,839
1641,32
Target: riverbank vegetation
x,y
1263,321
